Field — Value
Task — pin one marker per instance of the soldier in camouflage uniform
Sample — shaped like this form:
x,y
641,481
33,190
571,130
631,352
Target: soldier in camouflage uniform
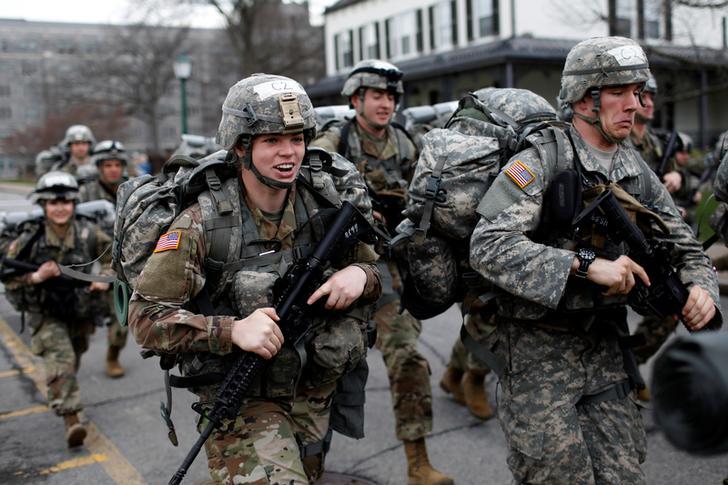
x,y
110,160
719,220
57,311
73,155
653,331
385,155
565,404
279,433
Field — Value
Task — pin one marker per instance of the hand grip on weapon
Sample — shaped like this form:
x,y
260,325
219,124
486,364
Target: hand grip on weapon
x,y
672,181
45,271
343,288
618,275
699,310
259,333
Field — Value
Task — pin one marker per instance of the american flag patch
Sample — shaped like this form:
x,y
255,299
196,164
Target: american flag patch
x,y
520,174
167,242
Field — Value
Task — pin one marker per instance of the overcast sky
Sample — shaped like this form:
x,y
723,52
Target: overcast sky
x,y
107,11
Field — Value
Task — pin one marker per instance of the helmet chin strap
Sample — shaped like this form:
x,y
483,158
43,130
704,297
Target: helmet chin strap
x,y
595,121
247,162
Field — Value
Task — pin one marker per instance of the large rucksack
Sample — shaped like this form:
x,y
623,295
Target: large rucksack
x,y
456,167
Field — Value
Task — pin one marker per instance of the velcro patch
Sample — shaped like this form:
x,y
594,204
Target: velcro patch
x,y
520,174
168,241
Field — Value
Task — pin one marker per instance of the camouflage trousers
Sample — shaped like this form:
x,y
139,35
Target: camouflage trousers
x,y
461,358
61,348
551,436
263,444
408,371
656,331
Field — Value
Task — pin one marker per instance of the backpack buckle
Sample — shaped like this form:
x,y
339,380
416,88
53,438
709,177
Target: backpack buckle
x,y
432,187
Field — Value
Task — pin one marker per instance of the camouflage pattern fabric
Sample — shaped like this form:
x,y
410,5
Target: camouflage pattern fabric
x,y
397,334
650,148
59,339
117,335
261,445
408,371
721,178
553,365
61,347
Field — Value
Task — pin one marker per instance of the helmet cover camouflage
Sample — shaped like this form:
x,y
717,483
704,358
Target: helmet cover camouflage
x,y
265,104
76,133
600,62
651,85
56,185
109,150
373,73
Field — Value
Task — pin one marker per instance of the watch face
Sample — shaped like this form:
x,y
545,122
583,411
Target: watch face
x,y
587,254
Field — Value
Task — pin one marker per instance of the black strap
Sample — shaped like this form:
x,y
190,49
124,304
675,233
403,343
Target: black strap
x,y
619,390
196,381
317,448
343,146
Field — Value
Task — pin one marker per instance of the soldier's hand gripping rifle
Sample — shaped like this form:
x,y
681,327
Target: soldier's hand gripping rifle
x,y
291,292
666,296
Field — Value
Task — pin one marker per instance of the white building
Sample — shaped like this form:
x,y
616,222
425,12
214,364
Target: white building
x,y
449,47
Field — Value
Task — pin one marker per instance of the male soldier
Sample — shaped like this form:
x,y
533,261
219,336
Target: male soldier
x,y
565,403
385,155
57,309
76,150
110,160
272,205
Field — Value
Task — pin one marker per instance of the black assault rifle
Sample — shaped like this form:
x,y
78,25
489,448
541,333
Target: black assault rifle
x,y
666,294
670,149
291,292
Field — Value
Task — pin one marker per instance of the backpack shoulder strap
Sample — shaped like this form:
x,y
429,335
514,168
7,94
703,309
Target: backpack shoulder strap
x,y
343,146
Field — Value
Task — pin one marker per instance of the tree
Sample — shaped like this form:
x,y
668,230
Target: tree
x,y
135,73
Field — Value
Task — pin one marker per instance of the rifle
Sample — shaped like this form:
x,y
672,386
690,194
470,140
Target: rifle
x,y
290,294
666,295
670,149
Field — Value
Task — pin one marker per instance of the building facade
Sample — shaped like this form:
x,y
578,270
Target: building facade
x,y
449,47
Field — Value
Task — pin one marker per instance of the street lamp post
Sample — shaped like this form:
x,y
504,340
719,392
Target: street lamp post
x,y
182,71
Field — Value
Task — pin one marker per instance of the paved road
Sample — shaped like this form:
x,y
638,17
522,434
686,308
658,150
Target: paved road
x,y
129,443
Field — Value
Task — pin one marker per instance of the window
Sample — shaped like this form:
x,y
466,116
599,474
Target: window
x,y
444,28
623,21
344,49
369,41
402,35
486,17
652,19
5,112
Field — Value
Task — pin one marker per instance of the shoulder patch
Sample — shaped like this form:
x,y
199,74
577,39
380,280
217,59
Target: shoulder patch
x,y
168,242
520,174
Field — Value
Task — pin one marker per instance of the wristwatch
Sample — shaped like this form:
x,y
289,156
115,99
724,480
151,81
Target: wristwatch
x,y
586,257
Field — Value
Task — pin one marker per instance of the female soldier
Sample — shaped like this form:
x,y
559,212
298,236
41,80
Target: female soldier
x,y
266,124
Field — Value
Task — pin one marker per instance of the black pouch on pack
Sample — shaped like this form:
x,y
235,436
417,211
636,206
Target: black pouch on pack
x,y
563,199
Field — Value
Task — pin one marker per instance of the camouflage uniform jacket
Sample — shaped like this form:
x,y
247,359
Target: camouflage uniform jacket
x,y
83,243
162,312
95,190
721,177
387,169
535,274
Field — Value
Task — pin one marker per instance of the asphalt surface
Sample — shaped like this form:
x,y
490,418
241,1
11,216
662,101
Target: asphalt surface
x,y
128,442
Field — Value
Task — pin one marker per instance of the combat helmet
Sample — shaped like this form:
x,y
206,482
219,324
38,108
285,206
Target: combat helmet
x,y
650,85
597,63
264,104
373,73
76,133
109,150
56,185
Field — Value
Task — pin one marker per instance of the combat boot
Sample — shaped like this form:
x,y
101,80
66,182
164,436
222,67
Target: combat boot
x,y
75,431
643,394
419,470
451,384
475,398
113,367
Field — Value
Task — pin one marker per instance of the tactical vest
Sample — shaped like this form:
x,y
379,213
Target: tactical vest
x,y
54,298
241,270
579,297
381,174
